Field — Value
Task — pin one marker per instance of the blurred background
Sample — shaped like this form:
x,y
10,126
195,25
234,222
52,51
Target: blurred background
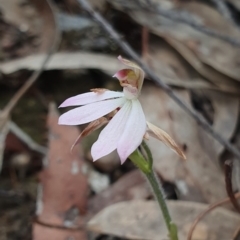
x,y
51,50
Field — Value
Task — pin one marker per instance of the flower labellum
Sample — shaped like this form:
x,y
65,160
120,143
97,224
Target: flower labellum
x,y
121,111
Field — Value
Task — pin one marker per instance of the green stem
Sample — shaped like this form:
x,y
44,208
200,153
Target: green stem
x,y
159,194
137,158
146,167
158,191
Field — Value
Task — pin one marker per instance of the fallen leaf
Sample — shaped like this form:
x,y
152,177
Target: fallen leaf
x,y
106,63
172,68
225,121
215,53
196,177
165,62
222,81
211,51
62,196
76,60
143,220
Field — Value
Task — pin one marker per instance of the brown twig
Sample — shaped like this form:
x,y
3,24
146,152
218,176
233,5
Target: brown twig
x,y
145,42
18,95
209,209
228,180
55,226
128,50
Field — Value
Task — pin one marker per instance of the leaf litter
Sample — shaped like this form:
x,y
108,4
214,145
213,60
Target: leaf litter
x,y
142,220
206,71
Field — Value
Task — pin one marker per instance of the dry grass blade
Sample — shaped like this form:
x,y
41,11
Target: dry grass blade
x,y
209,209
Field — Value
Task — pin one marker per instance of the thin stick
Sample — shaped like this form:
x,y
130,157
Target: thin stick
x,y
209,209
145,42
18,95
128,50
55,226
228,180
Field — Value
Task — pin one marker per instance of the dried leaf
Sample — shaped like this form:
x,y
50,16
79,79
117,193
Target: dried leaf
x,y
62,196
67,60
209,51
165,138
226,112
223,82
172,68
213,52
143,220
108,64
197,177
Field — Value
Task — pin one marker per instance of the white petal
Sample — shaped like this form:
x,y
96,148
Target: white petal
x,y
90,97
108,138
90,112
133,133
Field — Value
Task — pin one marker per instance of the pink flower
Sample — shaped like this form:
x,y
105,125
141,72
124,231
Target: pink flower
x,y
126,121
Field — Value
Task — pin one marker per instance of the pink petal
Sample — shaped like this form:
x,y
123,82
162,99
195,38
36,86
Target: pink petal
x,y
108,138
90,97
138,71
90,112
122,74
133,133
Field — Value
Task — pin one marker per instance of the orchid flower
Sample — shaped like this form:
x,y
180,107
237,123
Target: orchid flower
x,y
121,111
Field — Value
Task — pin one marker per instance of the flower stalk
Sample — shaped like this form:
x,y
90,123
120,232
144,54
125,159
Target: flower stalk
x,y
146,167
126,127
137,158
